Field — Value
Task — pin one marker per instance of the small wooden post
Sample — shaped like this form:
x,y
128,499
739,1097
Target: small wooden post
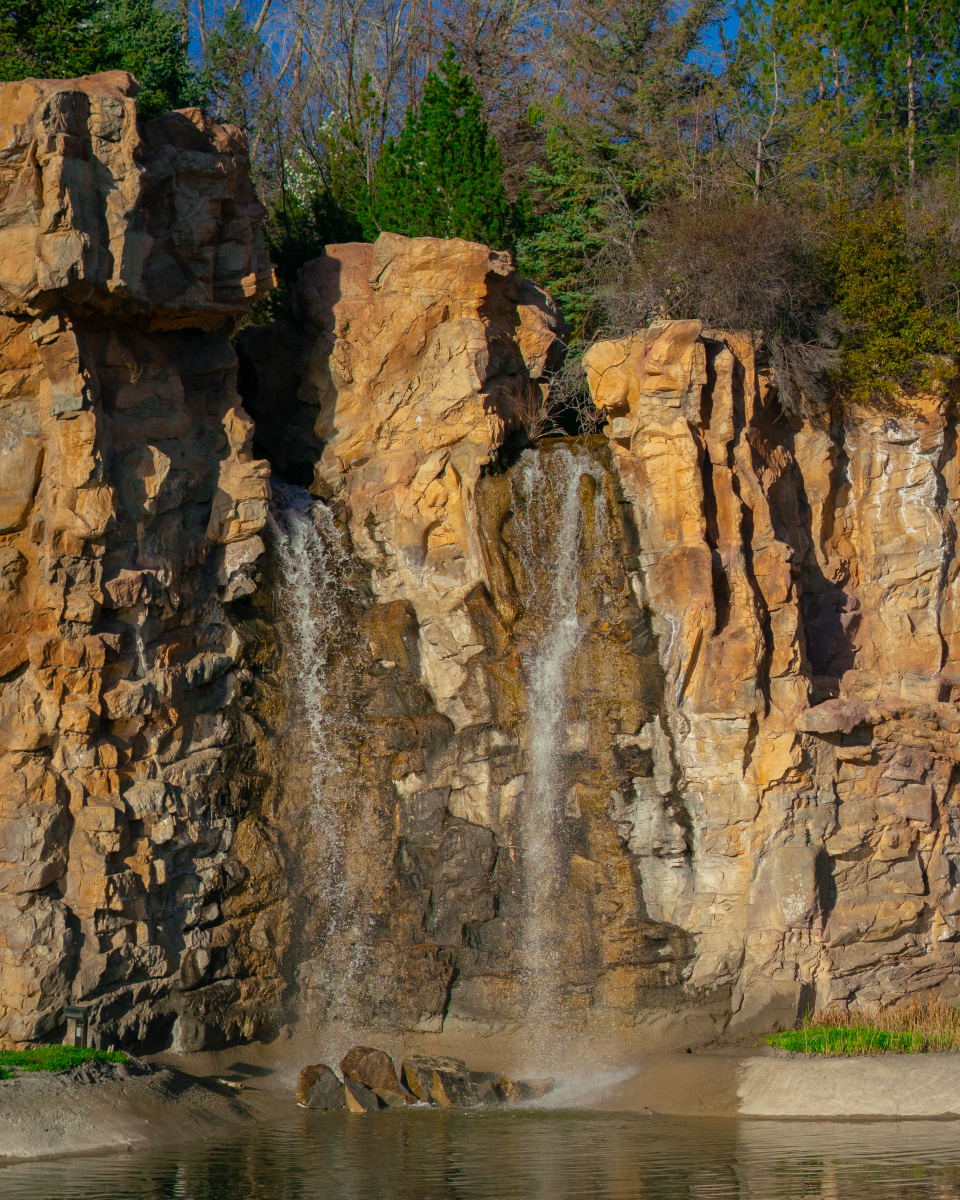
x,y
81,1022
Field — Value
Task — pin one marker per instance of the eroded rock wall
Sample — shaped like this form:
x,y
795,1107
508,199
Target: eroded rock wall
x,y
801,580
752,778
135,874
411,366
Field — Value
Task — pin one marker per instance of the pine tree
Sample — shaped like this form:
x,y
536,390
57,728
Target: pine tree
x,y
60,39
443,176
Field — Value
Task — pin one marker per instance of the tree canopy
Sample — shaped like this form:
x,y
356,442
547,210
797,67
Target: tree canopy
x,y
57,39
443,175
791,166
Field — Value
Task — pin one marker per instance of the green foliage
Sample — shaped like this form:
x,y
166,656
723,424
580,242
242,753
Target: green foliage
x,y
847,89
443,176
842,1042
232,55
56,1058
48,38
299,230
562,244
893,339
143,37
64,38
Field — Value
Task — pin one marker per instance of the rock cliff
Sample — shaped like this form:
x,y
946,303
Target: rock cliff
x,y
687,686
467,897
472,732
130,513
801,582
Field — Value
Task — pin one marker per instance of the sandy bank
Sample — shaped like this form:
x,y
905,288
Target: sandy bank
x,y
178,1097
103,1106
768,1083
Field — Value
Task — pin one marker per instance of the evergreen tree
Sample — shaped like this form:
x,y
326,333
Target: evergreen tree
x,y
59,39
443,176
48,38
144,38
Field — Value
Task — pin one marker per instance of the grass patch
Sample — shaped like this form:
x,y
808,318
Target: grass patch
x,y
916,1028
54,1058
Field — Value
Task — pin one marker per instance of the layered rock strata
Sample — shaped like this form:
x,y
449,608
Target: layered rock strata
x,y
135,876
752,776
801,581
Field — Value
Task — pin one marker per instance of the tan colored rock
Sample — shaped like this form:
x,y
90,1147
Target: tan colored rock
x,y
415,359
360,1098
773,574
371,1067
130,504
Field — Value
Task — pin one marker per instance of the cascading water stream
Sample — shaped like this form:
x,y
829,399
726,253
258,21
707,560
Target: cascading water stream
x,y
547,501
313,570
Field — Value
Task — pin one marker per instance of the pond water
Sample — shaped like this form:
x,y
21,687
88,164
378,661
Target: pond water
x,y
429,1155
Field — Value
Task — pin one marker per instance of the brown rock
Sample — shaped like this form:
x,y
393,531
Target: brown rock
x,y
509,1090
325,1091
130,508
418,1072
371,1067
536,1089
451,1089
359,1097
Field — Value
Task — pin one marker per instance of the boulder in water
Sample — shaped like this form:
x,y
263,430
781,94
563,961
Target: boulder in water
x,y
535,1089
371,1067
307,1078
417,1073
326,1092
359,1097
452,1089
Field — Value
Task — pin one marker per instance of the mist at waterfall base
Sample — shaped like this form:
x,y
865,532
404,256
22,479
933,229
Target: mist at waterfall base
x,y
430,1155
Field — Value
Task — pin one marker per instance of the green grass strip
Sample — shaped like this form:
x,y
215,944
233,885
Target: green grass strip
x,y
842,1042
54,1058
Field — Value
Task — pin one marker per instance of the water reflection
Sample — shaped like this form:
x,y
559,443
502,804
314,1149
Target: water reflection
x,y
520,1156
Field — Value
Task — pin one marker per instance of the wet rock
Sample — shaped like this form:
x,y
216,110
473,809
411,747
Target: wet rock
x,y
535,1089
371,1067
418,1073
452,1089
326,1091
508,1089
307,1078
359,1097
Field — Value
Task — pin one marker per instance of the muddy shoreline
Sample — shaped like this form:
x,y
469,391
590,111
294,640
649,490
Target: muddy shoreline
x,y
183,1097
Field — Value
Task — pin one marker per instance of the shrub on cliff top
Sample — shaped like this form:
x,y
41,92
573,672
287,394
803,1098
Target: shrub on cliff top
x,y
896,336
443,176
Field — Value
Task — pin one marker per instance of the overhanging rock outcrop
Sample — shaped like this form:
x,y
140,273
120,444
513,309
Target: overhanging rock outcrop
x,y
130,512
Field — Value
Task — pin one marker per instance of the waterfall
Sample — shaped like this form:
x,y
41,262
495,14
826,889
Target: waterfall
x,y
548,505
313,571
311,563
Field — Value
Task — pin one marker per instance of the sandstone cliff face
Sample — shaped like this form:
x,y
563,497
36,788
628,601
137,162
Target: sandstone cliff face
x,y
476,766
659,716
563,732
130,509
801,583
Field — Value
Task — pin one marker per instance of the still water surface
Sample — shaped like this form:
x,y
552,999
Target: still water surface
x,y
426,1155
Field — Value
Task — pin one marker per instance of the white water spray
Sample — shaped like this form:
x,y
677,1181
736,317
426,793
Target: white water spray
x,y
550,551
313,570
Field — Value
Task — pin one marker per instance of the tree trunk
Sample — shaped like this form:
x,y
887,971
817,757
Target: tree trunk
x,y
911,99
